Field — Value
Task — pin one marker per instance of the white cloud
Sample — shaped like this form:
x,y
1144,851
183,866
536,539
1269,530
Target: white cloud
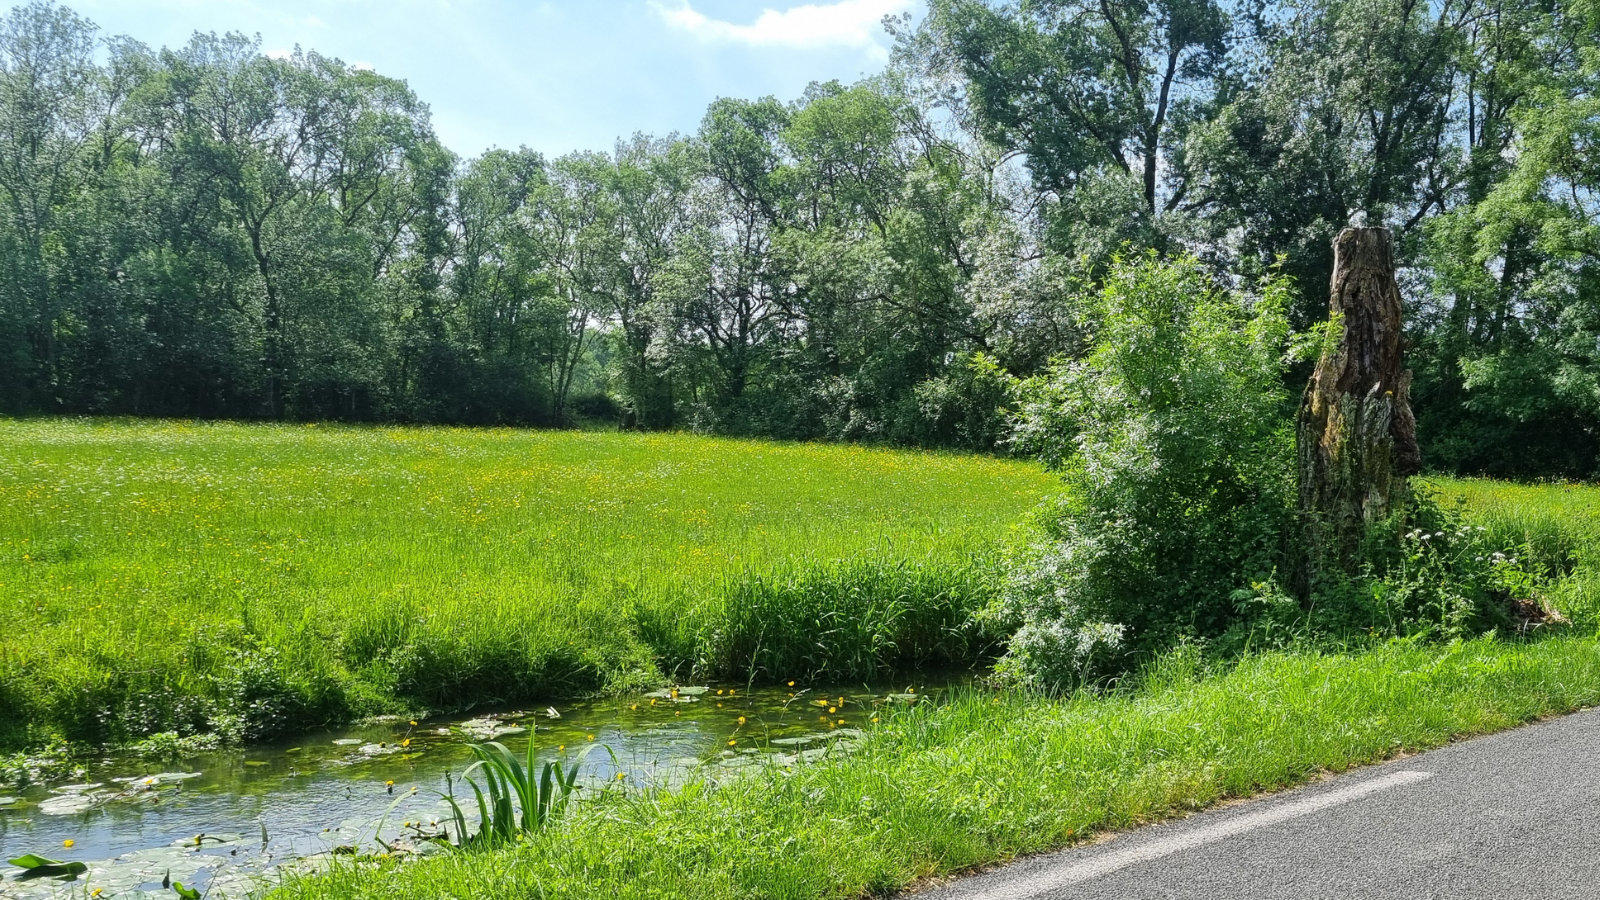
x,y
846,23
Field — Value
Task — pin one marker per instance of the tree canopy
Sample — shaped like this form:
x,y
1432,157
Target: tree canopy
x,y
210,231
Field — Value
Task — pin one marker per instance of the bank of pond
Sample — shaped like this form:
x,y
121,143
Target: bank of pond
x,y
233,822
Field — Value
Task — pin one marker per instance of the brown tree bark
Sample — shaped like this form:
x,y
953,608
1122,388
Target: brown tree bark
x,y
1356,435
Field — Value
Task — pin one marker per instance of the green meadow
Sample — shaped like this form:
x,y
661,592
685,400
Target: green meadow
x,y
990,776
261,579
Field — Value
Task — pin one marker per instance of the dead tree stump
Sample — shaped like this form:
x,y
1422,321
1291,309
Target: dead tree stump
x,y
1357,439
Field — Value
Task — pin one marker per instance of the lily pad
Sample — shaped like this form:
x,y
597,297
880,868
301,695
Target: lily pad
x,y
7,801
158,779
34,866
678,694
68,804
669,697
487,729
346,742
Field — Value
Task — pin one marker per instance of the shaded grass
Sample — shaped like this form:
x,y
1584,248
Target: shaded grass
x,y
936,791
164,576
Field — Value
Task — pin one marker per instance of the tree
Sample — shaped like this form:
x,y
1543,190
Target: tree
x,y
50,106
1357,439
1087,88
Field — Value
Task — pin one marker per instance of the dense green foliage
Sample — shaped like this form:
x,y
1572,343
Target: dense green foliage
x,y
985,779
1178,457
208,231
257,580
1179,521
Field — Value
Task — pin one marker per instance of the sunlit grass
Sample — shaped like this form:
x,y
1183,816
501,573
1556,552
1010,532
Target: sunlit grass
x,y
1556,524
145,565
988,778
991,776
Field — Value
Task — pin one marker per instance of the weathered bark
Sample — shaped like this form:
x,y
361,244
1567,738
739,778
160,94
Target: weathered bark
x,y
1357,437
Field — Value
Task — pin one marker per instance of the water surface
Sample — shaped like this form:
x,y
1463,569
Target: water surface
x,y
228,822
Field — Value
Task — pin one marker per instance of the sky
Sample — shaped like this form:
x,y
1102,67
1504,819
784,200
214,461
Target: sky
x,y
556,76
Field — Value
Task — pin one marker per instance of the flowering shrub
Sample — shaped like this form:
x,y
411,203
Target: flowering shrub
x,y
1174,438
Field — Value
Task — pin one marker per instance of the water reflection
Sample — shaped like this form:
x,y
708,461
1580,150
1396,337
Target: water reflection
x,y
223,821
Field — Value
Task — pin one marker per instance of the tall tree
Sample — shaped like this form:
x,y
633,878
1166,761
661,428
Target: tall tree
x,y
50,108
1087,87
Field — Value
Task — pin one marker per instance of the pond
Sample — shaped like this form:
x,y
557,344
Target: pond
x,y
229,822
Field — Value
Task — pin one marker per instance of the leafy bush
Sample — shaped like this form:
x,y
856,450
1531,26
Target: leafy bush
x,y
1174,438
967,407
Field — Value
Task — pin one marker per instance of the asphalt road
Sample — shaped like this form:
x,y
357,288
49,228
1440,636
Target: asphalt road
x,y
1512,815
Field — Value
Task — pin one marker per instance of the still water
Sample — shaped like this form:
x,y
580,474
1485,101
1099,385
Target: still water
x,y
230,822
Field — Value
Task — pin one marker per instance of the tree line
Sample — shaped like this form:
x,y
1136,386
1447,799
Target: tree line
x,y
212,231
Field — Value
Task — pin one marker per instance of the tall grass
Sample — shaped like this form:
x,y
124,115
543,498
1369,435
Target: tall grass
x,y
262,578
1556,525
988,777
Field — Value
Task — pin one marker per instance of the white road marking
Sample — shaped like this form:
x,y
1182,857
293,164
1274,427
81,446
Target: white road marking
x,y
1106,863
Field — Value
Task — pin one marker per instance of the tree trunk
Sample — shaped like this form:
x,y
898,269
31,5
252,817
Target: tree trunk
x,y
1356,434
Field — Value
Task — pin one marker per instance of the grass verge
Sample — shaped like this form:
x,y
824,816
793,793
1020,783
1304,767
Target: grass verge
x,y
987,778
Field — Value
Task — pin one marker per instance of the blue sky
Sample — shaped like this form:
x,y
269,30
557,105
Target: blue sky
x,y
556,76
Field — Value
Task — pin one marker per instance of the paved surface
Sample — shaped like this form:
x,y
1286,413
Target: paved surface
x,y
1513,815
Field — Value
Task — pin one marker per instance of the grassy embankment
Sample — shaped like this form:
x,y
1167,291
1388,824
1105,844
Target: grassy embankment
x,y
987,778
166,576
